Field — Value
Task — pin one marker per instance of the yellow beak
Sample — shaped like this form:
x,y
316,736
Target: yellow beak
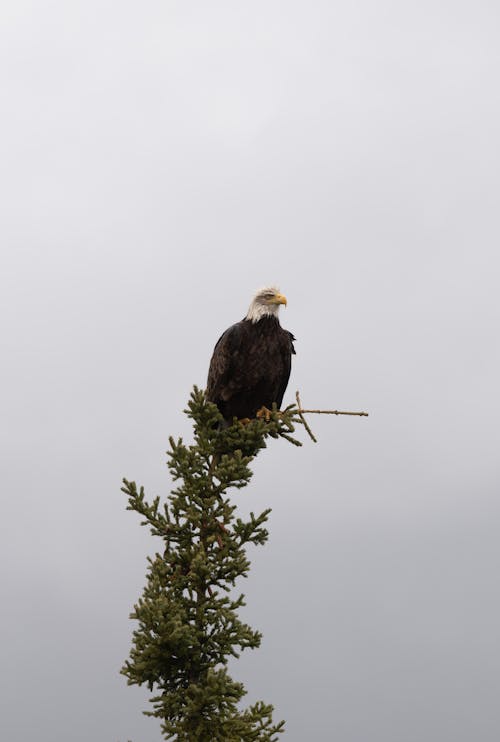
x,y
278,299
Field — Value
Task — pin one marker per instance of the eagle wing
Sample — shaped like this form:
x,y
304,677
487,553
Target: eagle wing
x,y
222,379
287,350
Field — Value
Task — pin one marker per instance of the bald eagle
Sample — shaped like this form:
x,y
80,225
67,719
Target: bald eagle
x,y
251,362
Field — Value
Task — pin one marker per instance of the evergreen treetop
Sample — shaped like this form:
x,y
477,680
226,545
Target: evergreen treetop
x,y
188,625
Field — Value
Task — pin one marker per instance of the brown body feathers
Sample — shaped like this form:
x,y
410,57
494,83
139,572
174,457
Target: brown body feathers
x,y
250,367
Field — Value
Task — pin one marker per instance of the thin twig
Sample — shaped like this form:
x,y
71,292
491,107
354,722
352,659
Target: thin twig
x,y
332,412
301,411
304,422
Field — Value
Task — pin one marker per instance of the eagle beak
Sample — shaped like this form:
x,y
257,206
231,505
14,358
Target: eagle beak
x,y
279,299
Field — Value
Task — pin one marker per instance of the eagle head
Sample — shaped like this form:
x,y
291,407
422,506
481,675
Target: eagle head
x,y
266,302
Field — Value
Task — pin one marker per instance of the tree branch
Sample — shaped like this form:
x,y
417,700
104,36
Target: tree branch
x,y
301,412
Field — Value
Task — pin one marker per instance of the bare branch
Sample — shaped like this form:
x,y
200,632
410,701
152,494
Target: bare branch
x,y
301,411
332,412
304,422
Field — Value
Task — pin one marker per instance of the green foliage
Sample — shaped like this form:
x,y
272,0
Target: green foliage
x,y
188,625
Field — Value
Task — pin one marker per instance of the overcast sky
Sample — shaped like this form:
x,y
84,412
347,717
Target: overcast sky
x,y
160,162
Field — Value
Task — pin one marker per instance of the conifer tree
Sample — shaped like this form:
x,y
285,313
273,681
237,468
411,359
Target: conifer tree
x,y
188,625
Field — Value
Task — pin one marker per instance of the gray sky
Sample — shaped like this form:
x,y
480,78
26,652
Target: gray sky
x,y
161,161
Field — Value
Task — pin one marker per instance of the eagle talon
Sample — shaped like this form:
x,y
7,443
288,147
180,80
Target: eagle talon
x,y
265,413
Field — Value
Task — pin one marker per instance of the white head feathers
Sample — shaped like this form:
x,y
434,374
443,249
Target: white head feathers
x,y
266,302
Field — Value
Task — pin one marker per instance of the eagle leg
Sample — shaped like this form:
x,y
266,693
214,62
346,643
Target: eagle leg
x,y
265,413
